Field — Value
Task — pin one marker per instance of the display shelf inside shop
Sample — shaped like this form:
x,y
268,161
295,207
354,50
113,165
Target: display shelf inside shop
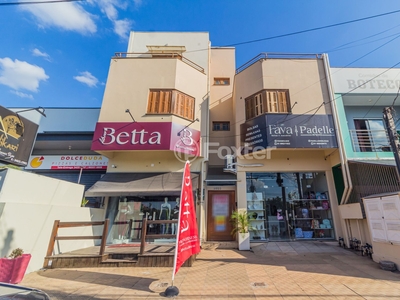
x,y
254,197
294,200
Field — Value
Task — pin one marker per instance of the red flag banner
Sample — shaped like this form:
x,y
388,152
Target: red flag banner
x,y
188,242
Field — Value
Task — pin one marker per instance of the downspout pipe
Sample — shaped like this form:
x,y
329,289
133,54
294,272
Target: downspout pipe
x,y
204,170
342,153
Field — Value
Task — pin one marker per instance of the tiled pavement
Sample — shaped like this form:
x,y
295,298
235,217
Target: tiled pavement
x,y
284,270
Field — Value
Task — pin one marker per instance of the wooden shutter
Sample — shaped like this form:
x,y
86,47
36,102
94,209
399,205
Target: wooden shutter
x,y
282,102
178,104
152,104
258,105
159,102
165,102
272,101
249,104
190,108
183,105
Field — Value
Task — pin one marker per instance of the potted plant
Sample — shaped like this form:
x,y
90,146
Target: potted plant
x,y
241,228
13,267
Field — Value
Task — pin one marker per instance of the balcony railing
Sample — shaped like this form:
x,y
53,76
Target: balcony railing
x,y
159,55
370,140
264,55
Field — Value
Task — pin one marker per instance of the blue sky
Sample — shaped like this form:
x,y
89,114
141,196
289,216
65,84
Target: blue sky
x,y
57,55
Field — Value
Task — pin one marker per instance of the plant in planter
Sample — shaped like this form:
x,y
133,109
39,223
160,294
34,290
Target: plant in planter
x,y
12,268
241,228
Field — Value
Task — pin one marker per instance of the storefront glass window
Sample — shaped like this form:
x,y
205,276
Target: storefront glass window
x,y
126,216
287,206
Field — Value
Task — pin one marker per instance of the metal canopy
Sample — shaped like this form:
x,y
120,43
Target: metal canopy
x,y
140,184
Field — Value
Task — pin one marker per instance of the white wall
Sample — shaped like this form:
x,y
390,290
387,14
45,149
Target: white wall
x,y
196,44
62,119
29,205
383,216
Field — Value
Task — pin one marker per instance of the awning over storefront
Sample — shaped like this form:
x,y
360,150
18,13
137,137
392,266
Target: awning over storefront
x,y
386,162
217,176
140,184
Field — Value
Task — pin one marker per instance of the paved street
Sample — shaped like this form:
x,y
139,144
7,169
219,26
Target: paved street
x,y
284,270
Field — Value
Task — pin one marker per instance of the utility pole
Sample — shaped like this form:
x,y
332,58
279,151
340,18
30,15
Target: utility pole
x,y
393,136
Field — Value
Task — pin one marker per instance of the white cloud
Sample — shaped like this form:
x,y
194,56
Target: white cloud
x,y
87,78
122,27
22,95
110,8
67,15
37,52
72,15
21,75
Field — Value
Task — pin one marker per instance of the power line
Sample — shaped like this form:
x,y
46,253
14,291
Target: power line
x,y
303,31
397,95
316,109
324,78
36,2
324,103
339,48
314,29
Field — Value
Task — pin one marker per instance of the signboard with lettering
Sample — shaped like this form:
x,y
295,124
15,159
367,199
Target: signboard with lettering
x,y
17,135
187,237
253,135
67,162
288,131
300,131
112,136
365,80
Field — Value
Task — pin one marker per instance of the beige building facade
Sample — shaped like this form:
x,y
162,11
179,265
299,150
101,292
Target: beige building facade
x,y
286,133
259,138
153,112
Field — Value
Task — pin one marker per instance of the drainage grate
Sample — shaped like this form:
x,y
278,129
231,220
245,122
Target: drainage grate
x,y
259,284
162,284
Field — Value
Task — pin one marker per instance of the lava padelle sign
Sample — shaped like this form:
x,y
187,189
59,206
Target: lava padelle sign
x,y
67,162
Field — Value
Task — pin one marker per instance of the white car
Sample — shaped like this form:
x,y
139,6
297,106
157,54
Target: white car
x,y
17,292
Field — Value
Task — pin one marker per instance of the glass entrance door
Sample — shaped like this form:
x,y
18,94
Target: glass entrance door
x,y
288,206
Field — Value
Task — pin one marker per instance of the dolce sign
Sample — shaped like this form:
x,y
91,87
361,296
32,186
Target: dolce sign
x,y
67,162
146,136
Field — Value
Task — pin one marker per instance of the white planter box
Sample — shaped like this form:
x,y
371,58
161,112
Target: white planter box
x,y
244,241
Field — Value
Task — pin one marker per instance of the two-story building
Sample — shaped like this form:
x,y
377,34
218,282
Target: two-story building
x,y
287,138
261,137
153,112
361,95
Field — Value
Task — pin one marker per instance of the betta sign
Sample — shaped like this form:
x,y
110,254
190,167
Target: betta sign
x,y
146,136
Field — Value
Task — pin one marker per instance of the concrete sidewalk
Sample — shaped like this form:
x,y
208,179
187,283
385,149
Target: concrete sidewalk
x,y
295,270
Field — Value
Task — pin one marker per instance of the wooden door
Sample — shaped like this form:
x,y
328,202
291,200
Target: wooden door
x,y
219,210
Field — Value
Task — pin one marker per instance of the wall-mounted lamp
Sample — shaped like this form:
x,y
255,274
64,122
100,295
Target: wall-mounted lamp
x,y
39,109
19,128
196,120
129,112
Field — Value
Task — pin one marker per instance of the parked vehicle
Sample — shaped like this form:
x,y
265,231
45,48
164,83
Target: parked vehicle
x,y
17,292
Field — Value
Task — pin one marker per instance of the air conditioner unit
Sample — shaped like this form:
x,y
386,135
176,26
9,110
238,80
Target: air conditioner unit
x,y
230,164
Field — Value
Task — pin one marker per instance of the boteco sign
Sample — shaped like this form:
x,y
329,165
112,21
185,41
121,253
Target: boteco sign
x,y
288,131
146,136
